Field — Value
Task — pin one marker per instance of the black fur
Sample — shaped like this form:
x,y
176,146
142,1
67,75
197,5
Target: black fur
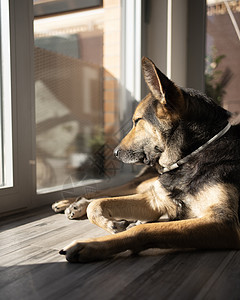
x,y
218,163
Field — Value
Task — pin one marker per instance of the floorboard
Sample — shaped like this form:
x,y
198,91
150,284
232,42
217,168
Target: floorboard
x,y
31,268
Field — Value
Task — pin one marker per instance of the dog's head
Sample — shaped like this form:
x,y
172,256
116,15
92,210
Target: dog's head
x,y
166,122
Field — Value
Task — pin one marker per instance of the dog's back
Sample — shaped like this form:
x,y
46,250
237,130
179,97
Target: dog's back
x,y
218,164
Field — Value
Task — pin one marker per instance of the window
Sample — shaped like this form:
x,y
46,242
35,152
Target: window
x,y
70,86
223,53
89,129
6,165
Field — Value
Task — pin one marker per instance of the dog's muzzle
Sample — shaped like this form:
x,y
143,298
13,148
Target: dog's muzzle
x,y
128,156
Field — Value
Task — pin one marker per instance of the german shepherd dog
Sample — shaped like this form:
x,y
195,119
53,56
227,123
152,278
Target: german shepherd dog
x,y
189,141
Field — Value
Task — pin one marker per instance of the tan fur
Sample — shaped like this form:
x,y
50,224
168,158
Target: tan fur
x,y
203,228
222,196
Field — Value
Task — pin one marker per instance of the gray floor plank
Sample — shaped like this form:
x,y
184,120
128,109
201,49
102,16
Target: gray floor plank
x,y
227,283
31,268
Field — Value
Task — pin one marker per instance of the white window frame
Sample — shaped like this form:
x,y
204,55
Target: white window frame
x,y
131,54
6,103
142,38
18,194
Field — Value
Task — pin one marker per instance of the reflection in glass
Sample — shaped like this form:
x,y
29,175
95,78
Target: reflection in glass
x,y
223,53
76,100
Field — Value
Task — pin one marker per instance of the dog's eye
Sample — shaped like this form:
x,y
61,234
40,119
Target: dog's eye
x,y
137,120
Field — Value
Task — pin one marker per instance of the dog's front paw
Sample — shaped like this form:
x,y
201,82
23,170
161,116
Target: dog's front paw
x,y
61,205
84,252
77,209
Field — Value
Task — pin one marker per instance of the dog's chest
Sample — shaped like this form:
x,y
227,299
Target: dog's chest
x,y
181,197
162,201
195,205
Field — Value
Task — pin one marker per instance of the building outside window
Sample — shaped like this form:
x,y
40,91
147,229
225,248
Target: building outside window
x,y
223,53
77,74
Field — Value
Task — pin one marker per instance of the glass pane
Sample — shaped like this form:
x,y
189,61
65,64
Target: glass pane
x,y
77,70
223,53
6,165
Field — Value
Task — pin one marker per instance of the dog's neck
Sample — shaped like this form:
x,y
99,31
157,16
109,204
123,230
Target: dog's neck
x,y
161,169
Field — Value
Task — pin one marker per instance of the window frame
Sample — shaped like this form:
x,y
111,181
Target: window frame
x,y
19,195
61,6
6,101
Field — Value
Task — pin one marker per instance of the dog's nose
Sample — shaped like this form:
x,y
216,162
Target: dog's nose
x,y
116,152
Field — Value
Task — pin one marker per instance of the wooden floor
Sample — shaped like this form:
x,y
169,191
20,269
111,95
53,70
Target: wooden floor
x,y
31,268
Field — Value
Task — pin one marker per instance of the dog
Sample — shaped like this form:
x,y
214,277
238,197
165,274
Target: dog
x,y
195,152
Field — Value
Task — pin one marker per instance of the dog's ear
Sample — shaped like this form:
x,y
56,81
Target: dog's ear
x,y
160,86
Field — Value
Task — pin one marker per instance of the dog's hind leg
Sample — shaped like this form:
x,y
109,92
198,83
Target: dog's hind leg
x,y
201,233
115,214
